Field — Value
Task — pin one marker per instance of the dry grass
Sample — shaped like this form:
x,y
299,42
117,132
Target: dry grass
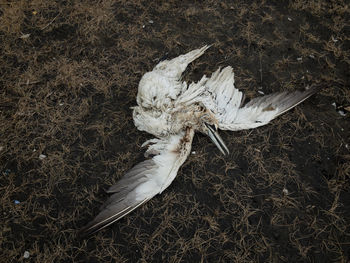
x,y
68,75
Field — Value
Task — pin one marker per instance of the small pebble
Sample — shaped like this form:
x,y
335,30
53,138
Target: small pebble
x,y
17,202
150,21
25,36
285,191
289,19
342,113
261,92
26,254
299,59
42,156
193,152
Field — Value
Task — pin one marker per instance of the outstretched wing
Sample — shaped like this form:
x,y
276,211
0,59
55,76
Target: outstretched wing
x,y
175,67
262,110
257,112
163,84
144,181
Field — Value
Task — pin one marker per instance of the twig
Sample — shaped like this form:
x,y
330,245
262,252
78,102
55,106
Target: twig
x,y
261,78
50,22
29,83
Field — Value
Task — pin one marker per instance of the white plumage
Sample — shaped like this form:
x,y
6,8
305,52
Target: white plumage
x,y
173,111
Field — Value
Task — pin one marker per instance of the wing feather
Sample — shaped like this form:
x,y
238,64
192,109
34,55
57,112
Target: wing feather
x,y
144,181
260,111
228,109
162,85
227,99
175,67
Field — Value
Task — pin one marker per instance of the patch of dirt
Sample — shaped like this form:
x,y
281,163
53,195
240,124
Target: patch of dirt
x,y
69,73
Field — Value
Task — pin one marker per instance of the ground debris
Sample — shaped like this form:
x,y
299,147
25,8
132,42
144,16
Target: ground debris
x,y
26,254
42,156
69,75
24,36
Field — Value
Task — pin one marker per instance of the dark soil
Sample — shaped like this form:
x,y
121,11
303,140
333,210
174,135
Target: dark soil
x,y
69,72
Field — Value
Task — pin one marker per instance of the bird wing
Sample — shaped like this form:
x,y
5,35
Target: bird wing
x,y
228,101
175,67
260,111
161,86
144,180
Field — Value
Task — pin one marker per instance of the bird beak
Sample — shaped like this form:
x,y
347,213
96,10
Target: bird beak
x,y
215,137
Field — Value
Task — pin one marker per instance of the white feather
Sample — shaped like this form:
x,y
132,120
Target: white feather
x,y
172,111
145,180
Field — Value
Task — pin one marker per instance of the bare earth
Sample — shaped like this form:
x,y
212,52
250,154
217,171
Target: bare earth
x,y
69,72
